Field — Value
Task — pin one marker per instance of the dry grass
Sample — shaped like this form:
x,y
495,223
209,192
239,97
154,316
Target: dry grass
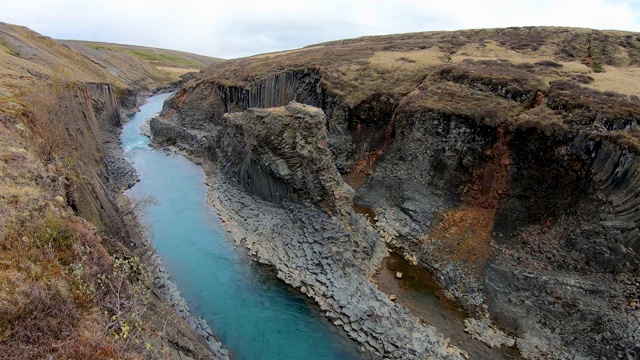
x,y
129,66
542,118
48,120
155,56
4,47
459,100
408,60
57,275
62,295
177,71
624,80
356,69
484,50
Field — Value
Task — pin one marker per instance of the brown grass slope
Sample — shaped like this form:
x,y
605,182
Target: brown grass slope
x,y
70,288
117,58
26,54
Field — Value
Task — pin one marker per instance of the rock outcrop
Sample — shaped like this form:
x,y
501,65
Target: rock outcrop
x,y
499,160
288,161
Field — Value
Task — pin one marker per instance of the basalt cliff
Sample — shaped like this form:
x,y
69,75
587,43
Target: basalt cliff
x,y
504,162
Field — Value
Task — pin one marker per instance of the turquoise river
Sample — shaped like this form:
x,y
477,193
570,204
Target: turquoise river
x,y
255,315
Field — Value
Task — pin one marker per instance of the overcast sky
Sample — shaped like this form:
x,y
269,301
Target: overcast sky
x,y
236,28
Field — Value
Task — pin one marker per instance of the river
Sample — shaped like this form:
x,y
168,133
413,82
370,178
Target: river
x,y
255,315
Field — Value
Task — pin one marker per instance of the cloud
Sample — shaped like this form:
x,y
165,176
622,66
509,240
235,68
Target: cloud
x,y
240,28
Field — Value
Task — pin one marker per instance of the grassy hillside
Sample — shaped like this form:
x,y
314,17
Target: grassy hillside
x,y
26,55
114,56
356,68
74,287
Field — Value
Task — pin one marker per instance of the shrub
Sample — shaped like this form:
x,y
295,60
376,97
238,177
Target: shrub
x,y
37,321
47,120
549,63
126,296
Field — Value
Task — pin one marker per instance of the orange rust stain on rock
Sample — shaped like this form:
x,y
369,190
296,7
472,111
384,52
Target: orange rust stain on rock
x,y
465,233
169,114
181,97
361,170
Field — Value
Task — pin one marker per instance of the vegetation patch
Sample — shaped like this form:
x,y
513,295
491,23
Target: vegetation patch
x,y
458,100
6,48
604,111
158,58
518,82
407,60
59,279
153,56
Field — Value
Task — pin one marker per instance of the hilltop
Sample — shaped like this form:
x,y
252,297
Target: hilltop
x,y
26,56
113,57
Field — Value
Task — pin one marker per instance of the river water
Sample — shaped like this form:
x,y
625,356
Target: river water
x,y
255,315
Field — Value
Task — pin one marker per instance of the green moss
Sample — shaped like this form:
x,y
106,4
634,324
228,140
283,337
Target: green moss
x,y
5,47
58,233
153,57
103,47
158,58
596,66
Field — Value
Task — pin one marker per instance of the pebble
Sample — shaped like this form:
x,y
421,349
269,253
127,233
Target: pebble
x,y
392,297
398,275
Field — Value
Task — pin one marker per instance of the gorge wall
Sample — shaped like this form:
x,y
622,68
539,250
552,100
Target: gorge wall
x,y
93,119
499,160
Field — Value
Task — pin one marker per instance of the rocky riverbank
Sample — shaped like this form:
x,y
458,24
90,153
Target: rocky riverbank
x,y
169,291
318,255
125,176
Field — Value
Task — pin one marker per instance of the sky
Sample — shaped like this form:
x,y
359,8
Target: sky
x,y
237,28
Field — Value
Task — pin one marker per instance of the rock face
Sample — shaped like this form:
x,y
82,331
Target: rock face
x,y
290,207
492,158
290,160
329,261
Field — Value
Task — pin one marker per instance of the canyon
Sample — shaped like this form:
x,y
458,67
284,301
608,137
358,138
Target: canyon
x,y
497,167
503,162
